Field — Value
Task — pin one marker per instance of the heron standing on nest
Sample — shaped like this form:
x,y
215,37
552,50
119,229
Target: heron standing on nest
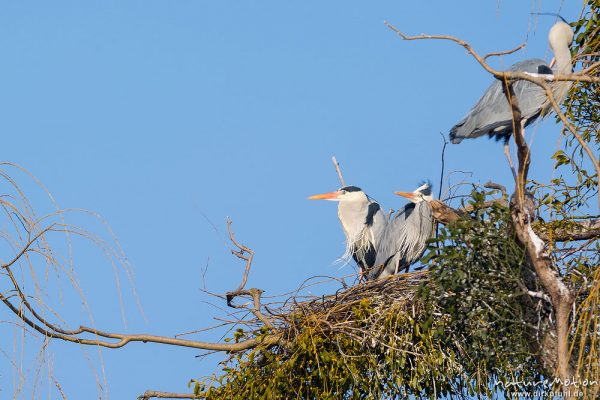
x,y
363,223
405,238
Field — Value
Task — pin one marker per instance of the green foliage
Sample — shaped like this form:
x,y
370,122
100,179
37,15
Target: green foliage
x,y
567,199
468,327
576,182
478,281
461,331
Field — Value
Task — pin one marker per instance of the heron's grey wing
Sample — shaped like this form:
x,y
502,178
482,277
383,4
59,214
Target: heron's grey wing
x,y
405,239
392,246
492,115
376,221
387,247
417,230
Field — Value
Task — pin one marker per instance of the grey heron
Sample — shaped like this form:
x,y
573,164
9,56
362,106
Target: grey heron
x,y
363,223
406,235
492,115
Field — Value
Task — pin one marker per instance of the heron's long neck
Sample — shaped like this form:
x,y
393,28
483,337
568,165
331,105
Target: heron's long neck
x,y
562,54
353,217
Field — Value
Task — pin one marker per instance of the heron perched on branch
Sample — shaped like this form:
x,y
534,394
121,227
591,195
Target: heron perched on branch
x,y
405,237
492,114
363,223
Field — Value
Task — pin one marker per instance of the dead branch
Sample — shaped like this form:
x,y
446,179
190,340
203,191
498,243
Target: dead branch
x,y
122,339
504,53
539,79
246,254
510,75
243,252
95,337
255,294
149,394
339,172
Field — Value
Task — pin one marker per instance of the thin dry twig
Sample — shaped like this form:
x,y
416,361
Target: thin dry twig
x,y
503,53
339,172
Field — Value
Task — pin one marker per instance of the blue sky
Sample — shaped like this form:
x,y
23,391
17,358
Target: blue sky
x,y
167,117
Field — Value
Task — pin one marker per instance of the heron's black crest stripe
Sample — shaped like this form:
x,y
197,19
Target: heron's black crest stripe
x,y
544,69
427,190
373,208
351,189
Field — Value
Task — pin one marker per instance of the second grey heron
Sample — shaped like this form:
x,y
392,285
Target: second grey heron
x,y
363,223
405,238
492,114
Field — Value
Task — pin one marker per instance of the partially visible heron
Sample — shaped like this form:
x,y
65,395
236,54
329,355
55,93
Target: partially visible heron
x,y
363,223
492,114
406,235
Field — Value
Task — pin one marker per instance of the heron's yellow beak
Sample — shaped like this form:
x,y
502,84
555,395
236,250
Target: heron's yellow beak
x,y
325,196
408,195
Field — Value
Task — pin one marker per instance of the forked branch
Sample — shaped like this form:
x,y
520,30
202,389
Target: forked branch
x,y
244,253
541,80
95,337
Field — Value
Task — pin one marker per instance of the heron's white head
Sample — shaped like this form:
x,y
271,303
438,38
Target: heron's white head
x,y
422,193
560,36
351,194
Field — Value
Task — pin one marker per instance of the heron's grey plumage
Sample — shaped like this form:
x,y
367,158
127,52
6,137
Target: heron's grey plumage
x,y
492,115
363,222
405,237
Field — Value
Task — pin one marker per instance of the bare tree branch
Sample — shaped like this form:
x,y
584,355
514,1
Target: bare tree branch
x,y
511,75
122,339
503,53
243,252
337,169
27,246
103,338
539,79
149,394
561,296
